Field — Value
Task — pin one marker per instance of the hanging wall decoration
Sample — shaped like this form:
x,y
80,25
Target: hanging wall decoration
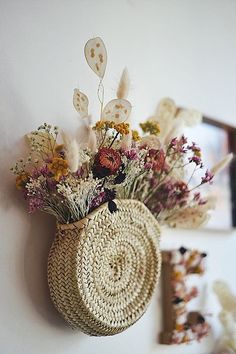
x,y
109,199
179,325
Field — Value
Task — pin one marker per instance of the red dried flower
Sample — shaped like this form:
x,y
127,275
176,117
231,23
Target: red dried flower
x,y
156,159
107,162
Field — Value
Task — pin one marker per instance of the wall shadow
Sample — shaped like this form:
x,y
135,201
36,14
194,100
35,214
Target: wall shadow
x,y
32,257
36,251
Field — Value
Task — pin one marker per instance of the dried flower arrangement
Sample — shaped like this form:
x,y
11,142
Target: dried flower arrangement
x,y
181,326
109,198
68,180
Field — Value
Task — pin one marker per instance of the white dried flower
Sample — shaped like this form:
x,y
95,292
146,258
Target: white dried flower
x,y
166,110
164,115
71,152
189,218
152,141
222,164
78,195
92,139
123,88
83,157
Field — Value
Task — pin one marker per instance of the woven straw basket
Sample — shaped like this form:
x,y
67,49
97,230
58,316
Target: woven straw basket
x,y
102,270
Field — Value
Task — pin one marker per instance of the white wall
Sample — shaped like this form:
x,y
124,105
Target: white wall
x,y
185,49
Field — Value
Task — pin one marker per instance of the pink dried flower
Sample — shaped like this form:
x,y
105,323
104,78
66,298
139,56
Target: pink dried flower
x,y
178,145
156,158
131,154
197,160
42,171
168,196
34,204
173,142
207,178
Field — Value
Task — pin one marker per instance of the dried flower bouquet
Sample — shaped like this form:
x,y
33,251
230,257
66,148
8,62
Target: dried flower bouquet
x,y
109,198
68,180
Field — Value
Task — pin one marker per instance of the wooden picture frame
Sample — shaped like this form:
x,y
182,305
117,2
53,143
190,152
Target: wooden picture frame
x,y
231,135
217,139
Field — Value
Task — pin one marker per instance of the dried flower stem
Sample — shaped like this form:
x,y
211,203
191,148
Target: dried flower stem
x,y
100,94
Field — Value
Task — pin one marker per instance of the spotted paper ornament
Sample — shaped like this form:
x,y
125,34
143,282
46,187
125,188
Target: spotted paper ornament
x,y
166,109
96,55
80,102
190,117
117,110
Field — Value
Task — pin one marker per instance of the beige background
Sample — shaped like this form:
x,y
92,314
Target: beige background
x,y
184,49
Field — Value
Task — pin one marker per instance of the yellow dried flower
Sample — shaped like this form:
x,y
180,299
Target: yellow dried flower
x,y
135,135
59,167
104,124
100,125
151,127
122,128
197,153
21,180
110,124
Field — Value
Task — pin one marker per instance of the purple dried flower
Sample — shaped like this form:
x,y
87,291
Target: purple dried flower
x,y
207,178
42,171
102,197
131,154
34,204
195,148
147,166
178,145
51,184
173,142
196,159
168,196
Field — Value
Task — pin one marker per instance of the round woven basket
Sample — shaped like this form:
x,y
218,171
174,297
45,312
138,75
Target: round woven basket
x,y
102,270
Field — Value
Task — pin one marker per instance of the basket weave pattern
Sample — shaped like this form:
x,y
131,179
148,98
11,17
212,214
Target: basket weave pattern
x,y
102,270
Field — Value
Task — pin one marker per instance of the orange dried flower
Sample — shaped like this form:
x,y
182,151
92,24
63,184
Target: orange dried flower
x,y
179,327
101,124
21,180
59,167
122,128
107,162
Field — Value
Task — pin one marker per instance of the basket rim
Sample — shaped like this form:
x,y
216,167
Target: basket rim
x,y
83,222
